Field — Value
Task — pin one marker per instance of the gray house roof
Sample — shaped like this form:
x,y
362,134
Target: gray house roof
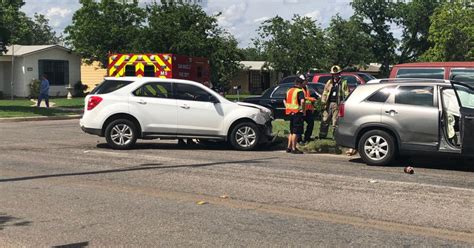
x,y
21,50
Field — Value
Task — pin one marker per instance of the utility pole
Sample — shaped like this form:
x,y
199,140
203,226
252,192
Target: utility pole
x,y
13,65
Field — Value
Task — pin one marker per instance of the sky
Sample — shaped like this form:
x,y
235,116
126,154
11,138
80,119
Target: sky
x,y
240,17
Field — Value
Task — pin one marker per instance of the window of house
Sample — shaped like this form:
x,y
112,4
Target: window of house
x,y
155,89
130,70
414,95
433,73
57,71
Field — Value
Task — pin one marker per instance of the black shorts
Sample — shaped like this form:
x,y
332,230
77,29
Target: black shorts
x,y
297,123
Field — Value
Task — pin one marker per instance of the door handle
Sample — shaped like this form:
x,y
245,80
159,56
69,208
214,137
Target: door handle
x,y
391,112
142,102
273,101
185,106
469,117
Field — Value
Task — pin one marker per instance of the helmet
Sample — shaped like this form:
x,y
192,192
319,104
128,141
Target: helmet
x,y
335,69
300,79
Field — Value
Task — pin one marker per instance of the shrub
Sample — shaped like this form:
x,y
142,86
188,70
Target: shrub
x,y
79,89
35,88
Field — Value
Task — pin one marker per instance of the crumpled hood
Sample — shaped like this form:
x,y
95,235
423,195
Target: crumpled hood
x,y
251,105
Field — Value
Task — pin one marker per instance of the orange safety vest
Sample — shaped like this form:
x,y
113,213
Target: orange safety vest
x,y
292,106
309,101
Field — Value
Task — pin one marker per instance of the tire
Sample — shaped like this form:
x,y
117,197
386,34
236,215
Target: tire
x,y
121,134
244,136
372,146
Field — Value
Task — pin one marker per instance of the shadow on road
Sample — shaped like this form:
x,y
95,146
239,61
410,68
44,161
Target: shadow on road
x,y
7,220
215,146
433,162
133,168
73,245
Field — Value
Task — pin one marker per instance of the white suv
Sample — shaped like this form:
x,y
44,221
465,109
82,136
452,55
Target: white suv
x,y
130,108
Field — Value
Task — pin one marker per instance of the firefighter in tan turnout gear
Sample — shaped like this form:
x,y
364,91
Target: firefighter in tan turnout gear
x,y
335,91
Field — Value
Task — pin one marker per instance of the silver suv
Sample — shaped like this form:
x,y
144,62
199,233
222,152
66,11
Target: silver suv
x,y
391,116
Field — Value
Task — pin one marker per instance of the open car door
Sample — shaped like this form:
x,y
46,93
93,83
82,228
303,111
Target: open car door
x,y
465,96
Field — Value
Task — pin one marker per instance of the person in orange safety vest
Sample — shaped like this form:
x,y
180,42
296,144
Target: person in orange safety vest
x,y
295,109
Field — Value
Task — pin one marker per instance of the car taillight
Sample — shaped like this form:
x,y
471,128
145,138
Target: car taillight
x,y
341,110
93,102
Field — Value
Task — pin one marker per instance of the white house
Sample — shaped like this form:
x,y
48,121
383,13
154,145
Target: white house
x,y
61,66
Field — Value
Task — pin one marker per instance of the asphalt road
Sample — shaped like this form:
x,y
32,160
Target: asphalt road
x,y
59,186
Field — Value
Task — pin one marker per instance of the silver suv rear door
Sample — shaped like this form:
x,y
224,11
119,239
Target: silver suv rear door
x,y
412,111
465,96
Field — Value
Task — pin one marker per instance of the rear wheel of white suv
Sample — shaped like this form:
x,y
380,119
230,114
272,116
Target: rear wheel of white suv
x,y
245,136
121,134
377,147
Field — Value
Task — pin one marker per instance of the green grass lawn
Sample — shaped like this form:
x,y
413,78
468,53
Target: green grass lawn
x,y
24,108
281,128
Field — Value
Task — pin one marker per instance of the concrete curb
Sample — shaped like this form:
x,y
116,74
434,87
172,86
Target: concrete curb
x,y
39,118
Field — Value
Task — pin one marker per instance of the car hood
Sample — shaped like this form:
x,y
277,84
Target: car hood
x,y
251,105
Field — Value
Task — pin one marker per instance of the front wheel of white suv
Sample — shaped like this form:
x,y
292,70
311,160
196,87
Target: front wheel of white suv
x,y
245,136
377,147
121,134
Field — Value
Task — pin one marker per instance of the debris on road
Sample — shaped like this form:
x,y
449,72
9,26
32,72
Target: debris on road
x,y
224,196
409,170
372,181
201,203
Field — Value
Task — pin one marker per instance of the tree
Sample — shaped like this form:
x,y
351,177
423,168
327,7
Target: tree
x,y
43,34
187,29
292,46
17,28
377,16
452,33
348,43
414,17
4,32
99,28
252,54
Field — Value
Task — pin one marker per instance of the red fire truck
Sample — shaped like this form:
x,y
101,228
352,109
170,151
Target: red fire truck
x,y
161,65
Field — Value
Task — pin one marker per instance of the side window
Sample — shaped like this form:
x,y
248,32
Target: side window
x,y
381,95
434,73
281,91
130,71
324,79
414,95
463,75
351,80
192,93
149,71
155,89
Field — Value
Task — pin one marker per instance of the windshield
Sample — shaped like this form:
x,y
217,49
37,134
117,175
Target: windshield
x,y
366,77
465,95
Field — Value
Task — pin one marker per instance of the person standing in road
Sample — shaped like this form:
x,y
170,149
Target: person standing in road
x,y
294,108
44,91
335,91
309,115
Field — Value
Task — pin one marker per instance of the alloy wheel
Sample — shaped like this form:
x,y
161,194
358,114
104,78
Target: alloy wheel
x,y
246,136
121,134
376,147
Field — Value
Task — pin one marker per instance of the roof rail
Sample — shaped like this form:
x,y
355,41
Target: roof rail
x,y
393,80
